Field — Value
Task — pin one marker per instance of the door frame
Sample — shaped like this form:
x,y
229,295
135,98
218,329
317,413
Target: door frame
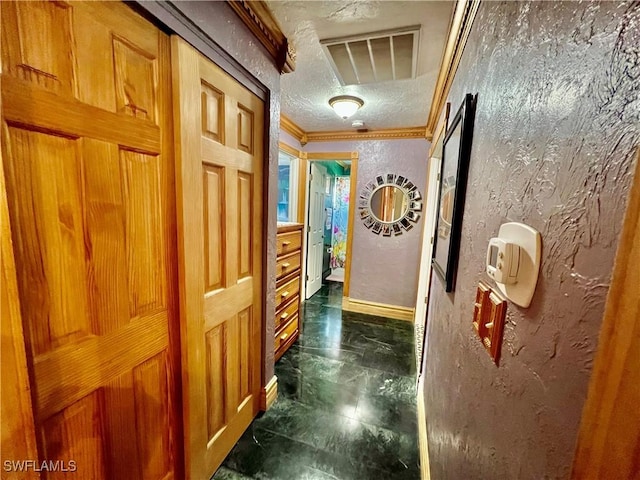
x,y
608,439
424,274
303,207
307,231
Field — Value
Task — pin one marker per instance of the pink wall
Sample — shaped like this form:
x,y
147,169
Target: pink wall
x,y
557,127
384,269
290,140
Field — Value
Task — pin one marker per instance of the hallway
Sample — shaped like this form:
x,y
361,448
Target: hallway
x,y
346,402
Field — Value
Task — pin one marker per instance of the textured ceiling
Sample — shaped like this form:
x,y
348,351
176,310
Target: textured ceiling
x,y
400,103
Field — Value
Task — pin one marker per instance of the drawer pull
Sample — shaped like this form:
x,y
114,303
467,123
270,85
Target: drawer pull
x,y
284,294
283,337
284,315
286,243
286,265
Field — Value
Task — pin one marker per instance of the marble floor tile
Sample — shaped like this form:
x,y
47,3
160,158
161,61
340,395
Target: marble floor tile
x,y
346,402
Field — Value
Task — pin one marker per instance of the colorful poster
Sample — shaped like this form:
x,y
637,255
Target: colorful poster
x,y
340,221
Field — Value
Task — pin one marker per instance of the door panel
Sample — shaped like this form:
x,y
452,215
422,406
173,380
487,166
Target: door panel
x,y
220,138
315,239
86,141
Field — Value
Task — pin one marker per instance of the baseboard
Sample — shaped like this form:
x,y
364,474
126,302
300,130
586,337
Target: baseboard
x,y
379,309
268,394
422,433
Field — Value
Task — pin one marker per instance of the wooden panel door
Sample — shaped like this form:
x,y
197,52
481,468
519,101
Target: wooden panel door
x,y
86,143
219,138
315,234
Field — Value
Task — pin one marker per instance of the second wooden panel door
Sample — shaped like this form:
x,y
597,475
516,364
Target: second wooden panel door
x,y
219,138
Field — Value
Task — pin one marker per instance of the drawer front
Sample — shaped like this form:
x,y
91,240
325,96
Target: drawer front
x,y
288,264
287,291
287,313
286,333
288,242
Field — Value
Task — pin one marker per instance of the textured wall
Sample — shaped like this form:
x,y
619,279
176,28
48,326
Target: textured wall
x,y
556,129
218,21
290,140
384,269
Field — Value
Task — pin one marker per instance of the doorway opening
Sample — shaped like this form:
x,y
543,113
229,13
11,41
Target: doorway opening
x,y
329,218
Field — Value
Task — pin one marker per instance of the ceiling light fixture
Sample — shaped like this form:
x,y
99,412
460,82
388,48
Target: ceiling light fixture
x,y
345,105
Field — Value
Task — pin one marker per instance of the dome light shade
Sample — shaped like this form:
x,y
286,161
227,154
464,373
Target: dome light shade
x,y
345,105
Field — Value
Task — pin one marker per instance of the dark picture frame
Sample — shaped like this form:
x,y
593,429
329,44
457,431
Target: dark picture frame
x,y
453,184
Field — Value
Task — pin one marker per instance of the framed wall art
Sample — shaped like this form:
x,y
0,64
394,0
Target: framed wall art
x,y
453,182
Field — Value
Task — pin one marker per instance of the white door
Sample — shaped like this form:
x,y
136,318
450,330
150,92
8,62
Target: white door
x,y
315,232
424,277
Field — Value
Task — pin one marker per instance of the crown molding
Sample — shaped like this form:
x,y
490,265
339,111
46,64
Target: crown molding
x,y
380,134
258,18
463,16
293,129
303,137
332,155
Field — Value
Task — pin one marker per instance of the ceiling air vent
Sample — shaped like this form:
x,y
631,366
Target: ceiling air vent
x,y
374,57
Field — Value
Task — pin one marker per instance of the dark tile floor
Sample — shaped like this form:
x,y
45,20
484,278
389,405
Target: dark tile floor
x,y
346,402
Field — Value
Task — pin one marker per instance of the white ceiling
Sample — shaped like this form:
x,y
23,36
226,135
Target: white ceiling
x,y
394,104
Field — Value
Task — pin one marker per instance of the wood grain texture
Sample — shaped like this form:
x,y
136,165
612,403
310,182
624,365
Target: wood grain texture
x,y
294,152
353,188
373,134
26,104
287,242
17,430
293,129
36,58
286,312
287,264
303,175
219,138
288,282
269,394
77,433
378,309
423,440
608,441
89,175
212,105
214,226
287,291
286,336
464,15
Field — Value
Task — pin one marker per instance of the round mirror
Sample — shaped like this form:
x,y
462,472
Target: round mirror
x,y
389,203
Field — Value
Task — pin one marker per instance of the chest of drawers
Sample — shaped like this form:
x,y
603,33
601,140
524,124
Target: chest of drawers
x,y
288,278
